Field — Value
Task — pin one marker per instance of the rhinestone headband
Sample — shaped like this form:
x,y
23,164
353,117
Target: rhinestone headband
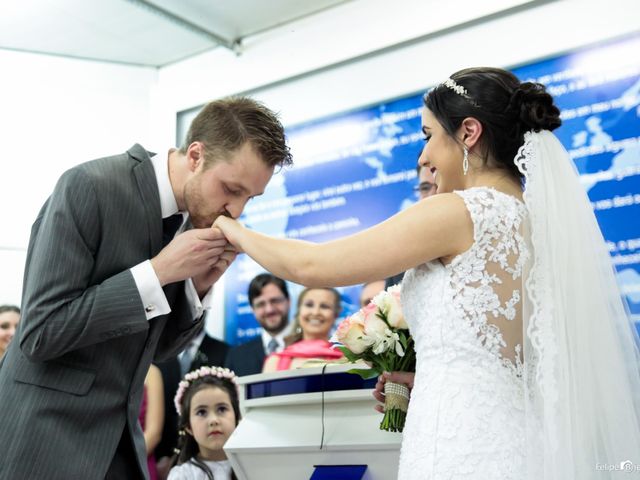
x,y
201,373
459,89
451,84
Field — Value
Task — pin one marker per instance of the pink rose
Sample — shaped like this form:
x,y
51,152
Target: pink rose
x,y
369,309
351,334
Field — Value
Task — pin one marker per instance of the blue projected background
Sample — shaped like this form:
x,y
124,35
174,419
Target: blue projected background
x,y
356,169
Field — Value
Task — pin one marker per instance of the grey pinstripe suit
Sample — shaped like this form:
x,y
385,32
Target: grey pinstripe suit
x,y
72,379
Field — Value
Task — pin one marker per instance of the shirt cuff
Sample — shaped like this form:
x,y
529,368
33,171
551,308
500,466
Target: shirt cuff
x,y
197,306
153,298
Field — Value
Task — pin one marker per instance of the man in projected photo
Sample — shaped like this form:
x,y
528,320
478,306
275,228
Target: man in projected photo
x,y
109,286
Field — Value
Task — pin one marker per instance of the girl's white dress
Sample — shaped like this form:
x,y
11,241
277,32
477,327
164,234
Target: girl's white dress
x,y
189,471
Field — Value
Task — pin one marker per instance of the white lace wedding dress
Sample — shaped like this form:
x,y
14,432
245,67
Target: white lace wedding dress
x,y
466,414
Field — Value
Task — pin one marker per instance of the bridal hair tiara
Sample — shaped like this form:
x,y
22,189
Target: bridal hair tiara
x,y
459,89
451,84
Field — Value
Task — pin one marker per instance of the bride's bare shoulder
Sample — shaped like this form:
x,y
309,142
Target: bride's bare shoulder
x,y
448,220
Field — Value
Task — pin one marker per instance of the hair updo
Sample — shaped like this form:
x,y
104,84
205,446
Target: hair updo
x,y
505,107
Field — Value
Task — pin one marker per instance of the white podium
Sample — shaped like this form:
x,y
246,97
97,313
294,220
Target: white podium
x,y
296,420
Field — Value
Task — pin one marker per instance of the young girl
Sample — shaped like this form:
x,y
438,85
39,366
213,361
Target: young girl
x,y
209,410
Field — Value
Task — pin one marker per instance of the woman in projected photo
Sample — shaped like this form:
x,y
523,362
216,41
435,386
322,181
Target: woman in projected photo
x,y
527,365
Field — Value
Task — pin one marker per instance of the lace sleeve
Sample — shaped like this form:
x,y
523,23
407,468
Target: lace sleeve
x,y
477,202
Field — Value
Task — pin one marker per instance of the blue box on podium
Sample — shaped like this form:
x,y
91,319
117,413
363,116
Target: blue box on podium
x,y
339,472
311,423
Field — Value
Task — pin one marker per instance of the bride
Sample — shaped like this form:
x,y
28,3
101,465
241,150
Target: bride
x,y
527,365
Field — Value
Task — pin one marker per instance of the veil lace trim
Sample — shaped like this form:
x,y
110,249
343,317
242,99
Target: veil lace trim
x,y
540,359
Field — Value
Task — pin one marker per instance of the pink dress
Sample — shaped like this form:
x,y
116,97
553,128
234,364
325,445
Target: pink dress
x,y
151,459
320,349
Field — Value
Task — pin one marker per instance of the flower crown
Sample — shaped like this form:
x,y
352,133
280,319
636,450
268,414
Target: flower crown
x,y
201,373
451,84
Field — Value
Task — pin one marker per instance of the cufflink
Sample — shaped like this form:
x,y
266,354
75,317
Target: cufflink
x,y
149,308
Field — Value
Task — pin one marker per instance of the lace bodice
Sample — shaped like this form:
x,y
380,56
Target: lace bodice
x,y
465,417
486,281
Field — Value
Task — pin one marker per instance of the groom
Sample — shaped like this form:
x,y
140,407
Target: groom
x,y
109,286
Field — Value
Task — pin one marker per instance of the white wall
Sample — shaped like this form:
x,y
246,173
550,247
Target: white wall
x,y
56,113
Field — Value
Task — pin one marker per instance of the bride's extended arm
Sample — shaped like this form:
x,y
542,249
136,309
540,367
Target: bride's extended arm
x,y
436,227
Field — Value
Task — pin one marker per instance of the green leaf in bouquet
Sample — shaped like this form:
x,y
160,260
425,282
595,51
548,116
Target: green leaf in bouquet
x,y
404,341
349,355
382,316
365,373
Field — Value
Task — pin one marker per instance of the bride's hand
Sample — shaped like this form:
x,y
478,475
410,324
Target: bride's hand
x,y
231,229
405,378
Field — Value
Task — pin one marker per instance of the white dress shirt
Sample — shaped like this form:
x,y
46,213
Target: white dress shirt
x,y
153,297
266,338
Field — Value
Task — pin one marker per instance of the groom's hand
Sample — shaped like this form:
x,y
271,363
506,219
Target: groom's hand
x,y
190,254
205,280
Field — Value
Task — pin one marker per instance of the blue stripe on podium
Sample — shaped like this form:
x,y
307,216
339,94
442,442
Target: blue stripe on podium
x,y
338,472
329,382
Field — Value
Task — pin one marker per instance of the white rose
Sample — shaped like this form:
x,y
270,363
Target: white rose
x,y
395,317
374,326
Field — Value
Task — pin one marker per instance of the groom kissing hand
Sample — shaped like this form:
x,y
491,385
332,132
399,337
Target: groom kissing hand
x,y
110,285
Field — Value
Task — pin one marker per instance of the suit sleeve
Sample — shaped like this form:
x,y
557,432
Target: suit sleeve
x,y
62,310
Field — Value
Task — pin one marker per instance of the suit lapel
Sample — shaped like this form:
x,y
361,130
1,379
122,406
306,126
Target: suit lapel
x,y
148,187
259,347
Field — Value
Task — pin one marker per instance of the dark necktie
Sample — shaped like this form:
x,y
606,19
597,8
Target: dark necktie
x,y
185,360
272,346
170,226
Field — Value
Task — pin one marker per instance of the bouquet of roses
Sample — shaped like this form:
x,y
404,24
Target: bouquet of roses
x,y
379,335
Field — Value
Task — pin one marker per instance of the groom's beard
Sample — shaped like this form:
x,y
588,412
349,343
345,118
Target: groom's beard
x,y
201,213
199,221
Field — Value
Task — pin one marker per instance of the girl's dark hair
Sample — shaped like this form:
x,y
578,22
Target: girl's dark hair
x,y
296,336
187,445
506,108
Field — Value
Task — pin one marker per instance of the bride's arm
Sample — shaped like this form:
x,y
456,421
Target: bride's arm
x,y
436,227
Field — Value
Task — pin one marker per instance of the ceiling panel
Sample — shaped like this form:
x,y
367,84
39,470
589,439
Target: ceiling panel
x,y
142,32
241,18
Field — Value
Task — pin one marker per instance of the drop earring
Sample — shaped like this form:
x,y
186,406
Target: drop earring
x,y
465,160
